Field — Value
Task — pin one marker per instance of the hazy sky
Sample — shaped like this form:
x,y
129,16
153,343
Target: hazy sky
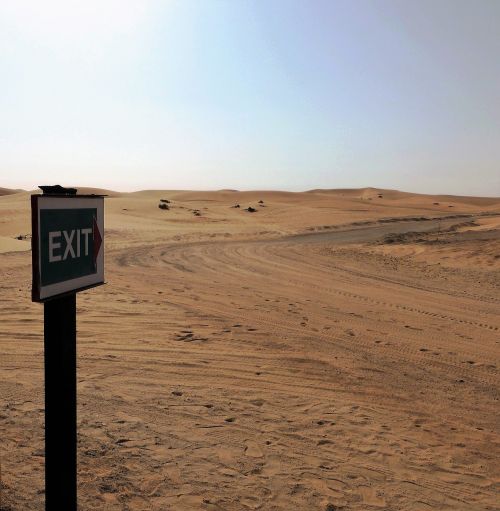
x,y
263,94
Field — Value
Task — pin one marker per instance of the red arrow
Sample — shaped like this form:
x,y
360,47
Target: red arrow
x,y
97,241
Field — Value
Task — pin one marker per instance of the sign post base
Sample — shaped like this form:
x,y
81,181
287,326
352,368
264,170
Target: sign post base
x,y
60,403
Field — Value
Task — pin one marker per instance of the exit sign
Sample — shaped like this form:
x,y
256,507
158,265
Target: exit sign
x,y
67,244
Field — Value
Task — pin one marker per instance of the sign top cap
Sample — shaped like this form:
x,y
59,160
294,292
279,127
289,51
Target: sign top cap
x,y
57,190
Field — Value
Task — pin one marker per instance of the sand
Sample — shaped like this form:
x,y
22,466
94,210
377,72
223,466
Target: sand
x,y
333,350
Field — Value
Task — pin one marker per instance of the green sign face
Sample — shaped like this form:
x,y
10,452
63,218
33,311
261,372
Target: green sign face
x,y
67,244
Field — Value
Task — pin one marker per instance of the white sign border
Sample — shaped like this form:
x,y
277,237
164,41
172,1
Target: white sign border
x,y
75,202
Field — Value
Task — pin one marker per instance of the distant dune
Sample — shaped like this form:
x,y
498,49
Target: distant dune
x,y
350,193
278,213
364,193
97,191
9,191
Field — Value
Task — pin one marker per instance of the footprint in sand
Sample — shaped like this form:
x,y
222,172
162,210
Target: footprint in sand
x,y
251,502
253,450
272,466
257,402
371,497
185,335
324,441
226,455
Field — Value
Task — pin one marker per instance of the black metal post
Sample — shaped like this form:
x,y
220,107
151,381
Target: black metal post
x,y
60,403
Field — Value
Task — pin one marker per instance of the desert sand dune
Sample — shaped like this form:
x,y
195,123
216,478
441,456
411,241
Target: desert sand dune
x,y
325,352
98,191
9,191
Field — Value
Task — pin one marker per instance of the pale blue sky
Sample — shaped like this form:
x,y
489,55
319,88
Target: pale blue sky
x,y
263,94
